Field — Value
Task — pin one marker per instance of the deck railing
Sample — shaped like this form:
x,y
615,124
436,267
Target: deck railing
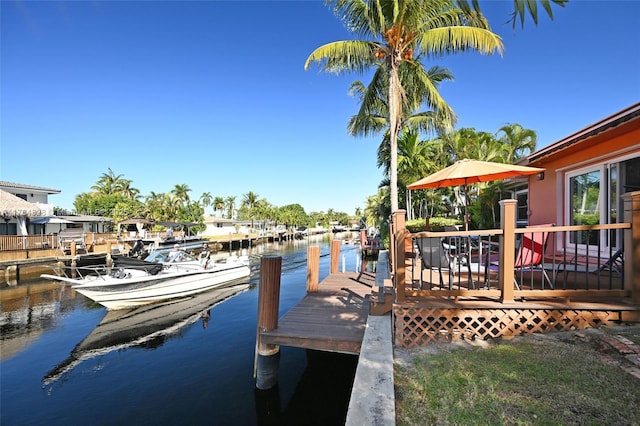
x,y
483,263
51,241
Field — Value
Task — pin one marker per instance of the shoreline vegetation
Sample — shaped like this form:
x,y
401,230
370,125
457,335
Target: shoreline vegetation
x,y
563,378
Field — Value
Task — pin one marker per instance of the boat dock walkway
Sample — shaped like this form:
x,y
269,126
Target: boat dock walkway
x,y
337,319
333,319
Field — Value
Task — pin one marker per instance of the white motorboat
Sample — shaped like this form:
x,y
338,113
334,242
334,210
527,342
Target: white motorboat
x,y
163,275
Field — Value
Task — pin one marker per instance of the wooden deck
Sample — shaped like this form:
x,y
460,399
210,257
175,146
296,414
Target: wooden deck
x,y
333,319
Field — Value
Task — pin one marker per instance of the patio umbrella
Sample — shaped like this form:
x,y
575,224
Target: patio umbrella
x,y
467,171
51,219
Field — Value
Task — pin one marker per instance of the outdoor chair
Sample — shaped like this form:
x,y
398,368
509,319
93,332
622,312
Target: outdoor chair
x,y
530,256
436,253
615,264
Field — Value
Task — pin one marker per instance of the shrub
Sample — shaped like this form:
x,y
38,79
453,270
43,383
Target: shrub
x,y
435,224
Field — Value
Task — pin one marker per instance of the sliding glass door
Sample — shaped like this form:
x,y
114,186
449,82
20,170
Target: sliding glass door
x,y
592,199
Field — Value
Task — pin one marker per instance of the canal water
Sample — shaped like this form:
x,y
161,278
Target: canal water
x,y
67,361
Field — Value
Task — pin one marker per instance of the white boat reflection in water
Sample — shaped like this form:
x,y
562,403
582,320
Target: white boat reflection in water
x,y
124,328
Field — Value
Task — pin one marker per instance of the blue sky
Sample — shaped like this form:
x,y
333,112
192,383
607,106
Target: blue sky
x,y
213,94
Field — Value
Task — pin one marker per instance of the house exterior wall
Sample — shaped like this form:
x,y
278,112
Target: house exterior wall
x,y
546,197
216,226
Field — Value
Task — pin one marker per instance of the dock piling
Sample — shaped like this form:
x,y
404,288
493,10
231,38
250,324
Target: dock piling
x,y
268,356
335,256
313,268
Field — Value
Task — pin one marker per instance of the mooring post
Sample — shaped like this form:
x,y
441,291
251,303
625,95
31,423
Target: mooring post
x,y
313,268
74,264
335,255
268,356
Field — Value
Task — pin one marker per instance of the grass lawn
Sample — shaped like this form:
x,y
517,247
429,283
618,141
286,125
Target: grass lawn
x,y
566,378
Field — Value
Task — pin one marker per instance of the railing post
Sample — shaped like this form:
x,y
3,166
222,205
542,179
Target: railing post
x,y
268,356
313,268
507,249
397,241
631,245
335,255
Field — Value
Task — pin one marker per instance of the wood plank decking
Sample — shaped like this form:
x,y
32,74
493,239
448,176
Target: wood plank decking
x,y
333,319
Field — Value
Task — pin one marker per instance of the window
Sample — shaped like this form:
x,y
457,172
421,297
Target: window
x,y
522,213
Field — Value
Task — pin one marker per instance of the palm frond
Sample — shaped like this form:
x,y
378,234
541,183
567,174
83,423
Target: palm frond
x,y
443,41
344,56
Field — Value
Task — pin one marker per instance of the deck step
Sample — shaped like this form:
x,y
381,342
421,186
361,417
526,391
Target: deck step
x,y
381,300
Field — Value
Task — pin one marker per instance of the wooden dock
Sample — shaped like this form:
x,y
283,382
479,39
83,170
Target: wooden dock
x,y
333,319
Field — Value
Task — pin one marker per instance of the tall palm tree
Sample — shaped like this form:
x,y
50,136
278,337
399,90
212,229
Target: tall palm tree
x,y
206,198
373,115
250,202
108,183
397,31
230,205
181,193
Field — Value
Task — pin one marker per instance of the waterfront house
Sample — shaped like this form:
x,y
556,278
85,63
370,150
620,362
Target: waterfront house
x,y
587,205
218,226
586,175
36,204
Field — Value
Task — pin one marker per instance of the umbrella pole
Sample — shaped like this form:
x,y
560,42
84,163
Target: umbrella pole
x,y
466,208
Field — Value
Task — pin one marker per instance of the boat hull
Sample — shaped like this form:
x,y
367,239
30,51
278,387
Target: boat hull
x,y
127,295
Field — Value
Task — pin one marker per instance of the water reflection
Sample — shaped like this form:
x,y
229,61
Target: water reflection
x,y
145,326
25,311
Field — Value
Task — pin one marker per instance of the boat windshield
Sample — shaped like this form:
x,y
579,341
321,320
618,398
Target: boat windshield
x,y
158,256
166,256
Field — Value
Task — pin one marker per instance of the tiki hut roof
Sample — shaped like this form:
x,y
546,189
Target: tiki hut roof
x,y
10,205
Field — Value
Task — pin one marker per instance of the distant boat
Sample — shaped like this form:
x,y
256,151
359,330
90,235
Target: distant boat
x,y
142,326
163,275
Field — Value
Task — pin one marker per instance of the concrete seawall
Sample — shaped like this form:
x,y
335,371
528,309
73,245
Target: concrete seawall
x,y
372,399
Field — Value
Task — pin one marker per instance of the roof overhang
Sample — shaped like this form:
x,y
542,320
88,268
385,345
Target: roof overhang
x,y
627,117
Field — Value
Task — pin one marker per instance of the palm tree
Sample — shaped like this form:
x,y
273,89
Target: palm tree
x,y
108,183
469,143
206,199
181,193
376,207
373,115
250,202
218,204
398,31
517,141
127,190
230,205
154,203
